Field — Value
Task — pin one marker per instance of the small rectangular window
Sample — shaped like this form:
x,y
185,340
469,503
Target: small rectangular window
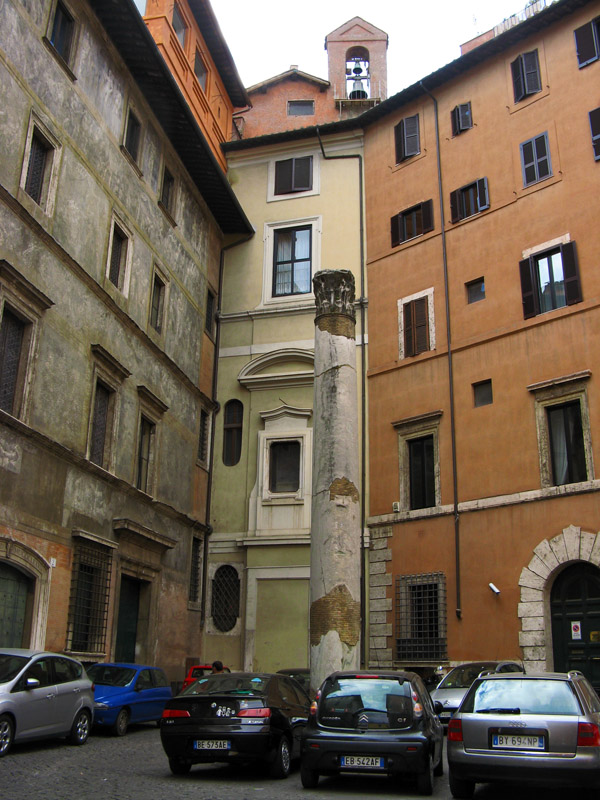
x,y
179,25
413,222
284,467
118,257
475,290
209,321
39,168
89,598
101,424
200,70
406,137
587,42
157,303
535,159
595,128
293,175
422,472
13,356
469,200
132,135
300,108
145,454
195,564
526,75
566,443
203,436
550,280
482,393
292,248
420,617
461,118
416,326
167,190
62,32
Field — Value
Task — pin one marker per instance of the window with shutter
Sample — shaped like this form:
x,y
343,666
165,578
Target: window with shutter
x,y
293,175
550,280
535,159
526,77
412,222
416,326
461,118
587,42
406,136
469,200
595,128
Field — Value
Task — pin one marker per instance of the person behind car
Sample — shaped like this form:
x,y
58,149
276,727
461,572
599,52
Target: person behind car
x,y
217,667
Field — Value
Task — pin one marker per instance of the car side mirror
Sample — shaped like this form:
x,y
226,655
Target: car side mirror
x,y
32,683
438,707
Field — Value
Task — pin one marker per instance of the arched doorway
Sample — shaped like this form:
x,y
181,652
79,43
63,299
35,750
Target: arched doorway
x,y
575,615
16,596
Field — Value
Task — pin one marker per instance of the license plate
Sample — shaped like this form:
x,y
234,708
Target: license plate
x,y
212,744
517,741
445,714
371,762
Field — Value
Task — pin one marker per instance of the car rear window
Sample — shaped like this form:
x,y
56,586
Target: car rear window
x,y
525,696
463,677
228,683
110,676
366,702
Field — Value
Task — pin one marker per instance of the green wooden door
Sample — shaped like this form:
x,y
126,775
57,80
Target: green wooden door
x,y
129,605
575,610
13,606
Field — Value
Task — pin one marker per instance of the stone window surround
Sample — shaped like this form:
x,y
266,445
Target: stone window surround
x,y
428,293
308,298
415,427
111,373
35,566
45,209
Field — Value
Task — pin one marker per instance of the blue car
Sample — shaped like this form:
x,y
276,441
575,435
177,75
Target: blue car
x,y
125,693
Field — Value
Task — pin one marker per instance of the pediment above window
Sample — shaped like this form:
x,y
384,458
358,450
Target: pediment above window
x,y
288,367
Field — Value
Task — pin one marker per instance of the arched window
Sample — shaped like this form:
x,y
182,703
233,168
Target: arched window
x,y
225,598
232,432
358,76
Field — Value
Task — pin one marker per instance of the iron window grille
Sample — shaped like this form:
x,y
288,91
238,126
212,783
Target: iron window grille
x,y
420,617
12,336
38,168
225,598
196,561
90,593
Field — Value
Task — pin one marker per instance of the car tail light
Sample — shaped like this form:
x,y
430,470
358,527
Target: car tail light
x,y
313,708
254,712
588,735
168,713
455,733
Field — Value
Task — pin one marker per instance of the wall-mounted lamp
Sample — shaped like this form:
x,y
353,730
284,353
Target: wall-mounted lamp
x,y
494,588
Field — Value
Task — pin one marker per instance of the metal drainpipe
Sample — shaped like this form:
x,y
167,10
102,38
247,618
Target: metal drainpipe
x,y
450,370
209,529
363,375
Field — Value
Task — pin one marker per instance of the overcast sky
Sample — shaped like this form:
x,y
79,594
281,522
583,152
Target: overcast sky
x,y
266,37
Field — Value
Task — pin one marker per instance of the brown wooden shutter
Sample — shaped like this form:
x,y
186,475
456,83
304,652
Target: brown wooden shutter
x,y
283,176
516,68
585,44
531,305
420,317
427,215
411,136
571,274
399,141
531,72
595,126
455,205
483,197
395,225
455,120
409,346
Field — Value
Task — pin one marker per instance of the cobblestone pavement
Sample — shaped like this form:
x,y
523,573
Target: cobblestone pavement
x,y
135,767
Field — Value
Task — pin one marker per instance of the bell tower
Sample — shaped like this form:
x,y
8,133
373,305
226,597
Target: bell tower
x,y
357,60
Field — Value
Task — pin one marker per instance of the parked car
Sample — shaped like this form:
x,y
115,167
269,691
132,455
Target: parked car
x,y
542,729
42,695
377,723
453,687
126,693
301,674
197,671
231,717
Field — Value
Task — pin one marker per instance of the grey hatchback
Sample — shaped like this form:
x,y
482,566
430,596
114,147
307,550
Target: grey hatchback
x,y
42,695
542,729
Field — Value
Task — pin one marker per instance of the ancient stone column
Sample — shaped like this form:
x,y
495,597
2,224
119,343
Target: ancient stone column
x,y
335,550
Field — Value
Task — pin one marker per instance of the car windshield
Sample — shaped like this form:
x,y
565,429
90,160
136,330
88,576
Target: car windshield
x,y
229,683
366,702
10,666
110,676
522,696
462,677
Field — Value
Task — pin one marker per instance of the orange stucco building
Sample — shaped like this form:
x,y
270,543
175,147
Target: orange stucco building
x,y
482,186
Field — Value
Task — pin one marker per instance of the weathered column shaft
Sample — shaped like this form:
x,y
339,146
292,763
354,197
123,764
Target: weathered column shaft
x,y
335,525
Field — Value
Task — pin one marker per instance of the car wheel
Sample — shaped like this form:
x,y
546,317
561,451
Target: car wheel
x,y
7,734
425,778
280,768
461,788
309,777
179,767
80,730
121,723
438,770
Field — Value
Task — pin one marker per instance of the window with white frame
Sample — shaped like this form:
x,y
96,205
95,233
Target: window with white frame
x,y
550,278
416,324
119,255
39,172
418,457
563,430
292,256
294,176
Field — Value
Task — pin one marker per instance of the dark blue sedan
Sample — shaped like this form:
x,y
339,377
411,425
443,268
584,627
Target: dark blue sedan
x,y
126,693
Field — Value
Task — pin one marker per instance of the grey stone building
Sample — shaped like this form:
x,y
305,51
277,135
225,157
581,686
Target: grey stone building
x,y
113,214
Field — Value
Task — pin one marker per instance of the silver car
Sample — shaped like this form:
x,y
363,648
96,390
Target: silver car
x,y
542,729
42,695
453,687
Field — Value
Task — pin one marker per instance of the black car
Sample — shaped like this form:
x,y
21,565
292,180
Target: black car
x,y
378,723
239,716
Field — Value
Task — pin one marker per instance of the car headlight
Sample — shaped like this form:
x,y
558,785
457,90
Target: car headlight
x,y
101,705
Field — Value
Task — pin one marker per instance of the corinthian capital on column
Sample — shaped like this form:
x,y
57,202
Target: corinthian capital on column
x,y
334,297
